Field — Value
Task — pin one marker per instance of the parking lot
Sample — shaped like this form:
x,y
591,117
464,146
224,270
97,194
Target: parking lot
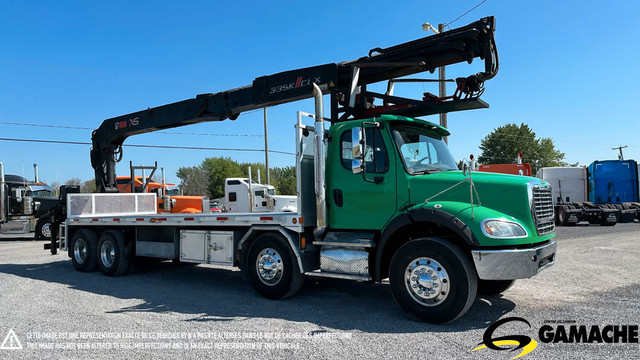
x,y
168,311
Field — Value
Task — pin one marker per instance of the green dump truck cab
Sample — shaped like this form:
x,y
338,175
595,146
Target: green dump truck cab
x,y
441,234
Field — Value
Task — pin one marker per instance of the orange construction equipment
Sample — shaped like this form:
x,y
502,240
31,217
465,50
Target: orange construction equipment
x,y
514,169
179,203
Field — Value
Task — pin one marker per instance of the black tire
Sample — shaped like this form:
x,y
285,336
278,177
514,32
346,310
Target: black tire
x,y
43,228
113,254
84,250
494,287
455,276
281,278
562,216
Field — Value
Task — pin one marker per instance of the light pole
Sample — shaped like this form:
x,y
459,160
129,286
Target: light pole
x,y
442,84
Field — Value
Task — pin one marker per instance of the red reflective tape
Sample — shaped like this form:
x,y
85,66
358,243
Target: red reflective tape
x,y
188,219
139,219
222,218
76,220
266,217
95,219
116,219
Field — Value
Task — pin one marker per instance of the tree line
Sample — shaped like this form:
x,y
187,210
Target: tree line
x,y
208,177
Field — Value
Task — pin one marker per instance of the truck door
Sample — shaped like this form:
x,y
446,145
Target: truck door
x,y
355,203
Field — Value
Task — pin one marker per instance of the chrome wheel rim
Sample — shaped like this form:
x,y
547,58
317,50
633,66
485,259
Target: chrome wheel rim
x,y
269,267
80,251
107,253
427,281
46,230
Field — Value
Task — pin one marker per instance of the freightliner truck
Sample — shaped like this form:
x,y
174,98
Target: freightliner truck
x,y
379,194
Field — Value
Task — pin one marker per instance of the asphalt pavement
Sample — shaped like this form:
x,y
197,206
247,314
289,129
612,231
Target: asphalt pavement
x,y
49,310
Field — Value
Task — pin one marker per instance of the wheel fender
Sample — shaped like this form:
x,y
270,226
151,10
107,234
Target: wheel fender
x,y
434,216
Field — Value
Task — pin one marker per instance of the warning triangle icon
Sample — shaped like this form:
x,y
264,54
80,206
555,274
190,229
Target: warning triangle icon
x,y
11,342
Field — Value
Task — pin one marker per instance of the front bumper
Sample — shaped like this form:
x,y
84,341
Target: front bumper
x,y
514,263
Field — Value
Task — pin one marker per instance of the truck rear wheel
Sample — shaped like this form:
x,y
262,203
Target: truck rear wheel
x,y
84,245
433,280
272,268
113,253
494,287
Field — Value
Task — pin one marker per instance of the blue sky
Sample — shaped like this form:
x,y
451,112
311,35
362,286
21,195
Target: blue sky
x,y
568,69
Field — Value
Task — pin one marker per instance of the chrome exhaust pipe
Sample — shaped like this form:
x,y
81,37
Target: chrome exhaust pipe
x,y
321,221
36,178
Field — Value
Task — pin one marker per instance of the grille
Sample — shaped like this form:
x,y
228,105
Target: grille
x,y
543,210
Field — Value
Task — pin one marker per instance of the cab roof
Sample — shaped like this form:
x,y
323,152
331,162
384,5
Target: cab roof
x,y
397,118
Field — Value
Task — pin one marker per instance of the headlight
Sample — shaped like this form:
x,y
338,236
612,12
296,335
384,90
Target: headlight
x,y
502,229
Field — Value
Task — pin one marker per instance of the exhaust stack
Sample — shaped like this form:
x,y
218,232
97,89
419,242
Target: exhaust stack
x,y
321,222
36,177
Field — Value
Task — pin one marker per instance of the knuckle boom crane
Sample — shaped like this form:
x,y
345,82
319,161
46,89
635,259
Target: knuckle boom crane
x,y
379,195
345,81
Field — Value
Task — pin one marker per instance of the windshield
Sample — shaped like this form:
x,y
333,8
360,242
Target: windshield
x,y
43,193
172,191
422,150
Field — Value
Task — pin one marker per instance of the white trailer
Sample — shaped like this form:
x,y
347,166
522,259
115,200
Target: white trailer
x,y
568,184
569,187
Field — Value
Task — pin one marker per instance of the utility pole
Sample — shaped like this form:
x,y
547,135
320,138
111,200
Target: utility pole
x,y
620,157
266,147
442,87
442,82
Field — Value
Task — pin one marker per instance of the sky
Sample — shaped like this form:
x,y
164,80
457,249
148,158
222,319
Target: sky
x,y
568,69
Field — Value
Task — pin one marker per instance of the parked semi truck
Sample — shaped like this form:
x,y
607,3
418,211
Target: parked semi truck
x,y
24,204
378,193
605,192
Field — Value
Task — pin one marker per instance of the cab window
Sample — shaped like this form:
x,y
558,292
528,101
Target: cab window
x,y
376,157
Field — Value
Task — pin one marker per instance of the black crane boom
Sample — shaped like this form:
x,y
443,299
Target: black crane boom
x,y
345,81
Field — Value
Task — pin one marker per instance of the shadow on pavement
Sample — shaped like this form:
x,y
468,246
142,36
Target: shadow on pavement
x,y
213,294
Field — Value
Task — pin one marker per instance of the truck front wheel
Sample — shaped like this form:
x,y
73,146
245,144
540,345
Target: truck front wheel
x,y
272,268
43,228
113,253
433,280
84,246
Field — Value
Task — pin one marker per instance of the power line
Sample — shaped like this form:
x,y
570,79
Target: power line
x,y
85,128
146,146
468,11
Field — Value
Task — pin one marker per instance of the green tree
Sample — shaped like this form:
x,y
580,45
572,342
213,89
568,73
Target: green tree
x,y
194,180
74,181
217,170
208,177
284,180
503,144
88,186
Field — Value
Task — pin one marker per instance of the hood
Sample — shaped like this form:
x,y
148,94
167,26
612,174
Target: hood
x,y
500,192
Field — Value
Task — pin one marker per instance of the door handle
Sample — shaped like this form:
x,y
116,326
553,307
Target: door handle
x,y
337,197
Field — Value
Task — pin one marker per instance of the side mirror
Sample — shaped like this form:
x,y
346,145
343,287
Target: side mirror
x,y
358,150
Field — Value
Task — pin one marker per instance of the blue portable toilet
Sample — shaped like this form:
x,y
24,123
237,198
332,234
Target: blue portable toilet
x,y
613,181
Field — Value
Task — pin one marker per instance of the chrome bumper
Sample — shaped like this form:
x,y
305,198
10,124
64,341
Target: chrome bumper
x,y
513,264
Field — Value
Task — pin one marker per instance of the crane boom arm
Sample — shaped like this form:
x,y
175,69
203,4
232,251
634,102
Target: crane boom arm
x,y
340,79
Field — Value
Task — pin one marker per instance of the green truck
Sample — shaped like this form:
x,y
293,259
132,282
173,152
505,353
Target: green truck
x,y
379,195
